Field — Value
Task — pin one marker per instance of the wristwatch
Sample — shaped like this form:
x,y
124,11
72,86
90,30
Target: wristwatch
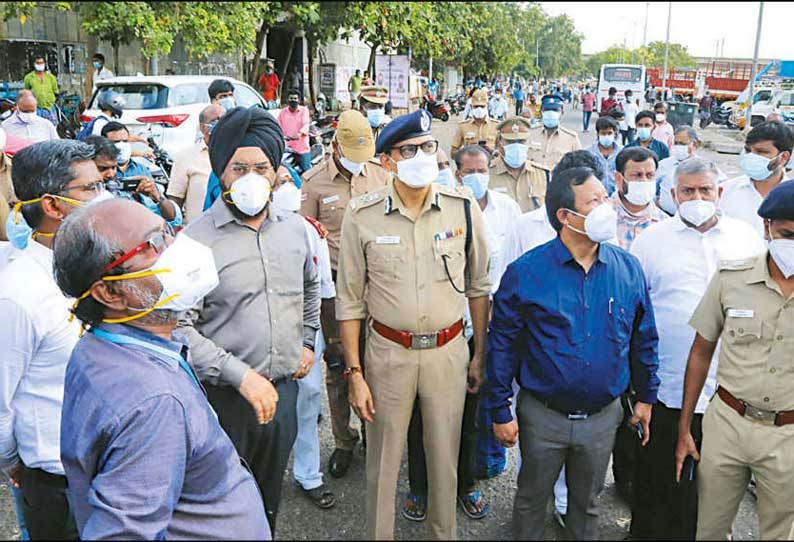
x,y
350,370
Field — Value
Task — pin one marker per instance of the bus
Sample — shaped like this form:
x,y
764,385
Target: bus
x,y
623,77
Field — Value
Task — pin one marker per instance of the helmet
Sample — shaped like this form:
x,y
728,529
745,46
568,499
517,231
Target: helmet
x,y
113,102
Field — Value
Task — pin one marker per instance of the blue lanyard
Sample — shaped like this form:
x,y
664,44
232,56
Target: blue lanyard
x,y
124,339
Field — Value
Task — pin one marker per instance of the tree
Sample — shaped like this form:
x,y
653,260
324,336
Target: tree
x,y
614,55
652,55
333,18
23,10
560,48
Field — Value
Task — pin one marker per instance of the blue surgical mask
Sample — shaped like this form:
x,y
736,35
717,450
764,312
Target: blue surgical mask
x,y
551,119
227,102
606,140
516,154
644,133
477,183
754,166
375,117
446,178
18,234
97,65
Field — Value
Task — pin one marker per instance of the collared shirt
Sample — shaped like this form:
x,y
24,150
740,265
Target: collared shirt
x,y
37,340
745,309
267,305
401,270
630,109
38,130
497,106
588,101
631,225
678,283
325,194
529,190
607,164
292,123
44,89
189,179
664,132
571,338
547,147
318,248
662,151
137,169
103,75
6,185
472,131
665,180
499,214
144,453
741,200
528,231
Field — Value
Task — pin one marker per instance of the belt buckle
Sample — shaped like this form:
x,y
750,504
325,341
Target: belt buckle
x,y
577,415
758,414
423,341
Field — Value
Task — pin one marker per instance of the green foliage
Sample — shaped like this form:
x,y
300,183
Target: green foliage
x,y
560,47
651,55
23,10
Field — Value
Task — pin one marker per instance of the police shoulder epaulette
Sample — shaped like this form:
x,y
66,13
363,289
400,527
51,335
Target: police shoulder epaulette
x,y
455,192
321,231
568,131
313,172
466,121
369,199
737,265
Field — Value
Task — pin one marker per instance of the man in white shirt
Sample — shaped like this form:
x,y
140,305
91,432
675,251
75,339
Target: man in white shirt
x,y
25,123
101,73
679,257
37,334
685,144
188,186
630,110
767,150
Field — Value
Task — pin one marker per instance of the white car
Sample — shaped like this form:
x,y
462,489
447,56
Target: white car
x,y
167,107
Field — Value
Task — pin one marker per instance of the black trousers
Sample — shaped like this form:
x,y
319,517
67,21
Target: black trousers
x,y
45,506
265,448
519,107
624,451
417,470
663,509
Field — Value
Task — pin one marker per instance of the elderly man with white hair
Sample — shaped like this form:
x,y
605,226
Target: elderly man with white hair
x,y
679,257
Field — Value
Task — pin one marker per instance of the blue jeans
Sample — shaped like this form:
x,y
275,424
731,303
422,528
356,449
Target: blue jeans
x,y
23,525
304,162
306,466
586,119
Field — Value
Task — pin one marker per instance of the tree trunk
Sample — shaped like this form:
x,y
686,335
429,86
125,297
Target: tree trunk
x,y
312,49
260,44
371,63
284,69
115,44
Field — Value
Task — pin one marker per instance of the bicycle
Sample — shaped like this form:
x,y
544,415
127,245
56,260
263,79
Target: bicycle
x,y
67,114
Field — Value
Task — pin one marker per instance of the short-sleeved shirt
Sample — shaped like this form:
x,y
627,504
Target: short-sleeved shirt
x,y
292,122
664,132
588,101
401,270
607,164
529,190
740,199
548,148
189,180
355,84
471,132
269,84
326,192
44,89
38,130
745,309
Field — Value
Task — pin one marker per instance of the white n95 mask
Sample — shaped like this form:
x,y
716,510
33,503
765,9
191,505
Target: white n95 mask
x,y
250,193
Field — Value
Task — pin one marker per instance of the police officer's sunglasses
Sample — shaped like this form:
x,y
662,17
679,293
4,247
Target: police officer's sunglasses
x,y
409,151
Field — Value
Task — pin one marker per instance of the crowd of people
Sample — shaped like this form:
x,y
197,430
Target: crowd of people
x,y
164,347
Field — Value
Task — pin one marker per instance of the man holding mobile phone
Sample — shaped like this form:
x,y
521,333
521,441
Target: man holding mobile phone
x,y
129,173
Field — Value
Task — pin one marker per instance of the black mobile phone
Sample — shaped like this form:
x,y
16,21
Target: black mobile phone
x,y
688,469
130,184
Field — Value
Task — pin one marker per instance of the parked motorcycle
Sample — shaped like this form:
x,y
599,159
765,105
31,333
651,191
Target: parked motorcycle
x,y
456,103
437,109
290,157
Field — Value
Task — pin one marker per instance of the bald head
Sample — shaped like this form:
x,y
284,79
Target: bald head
x,y
208,115
26,101
442,159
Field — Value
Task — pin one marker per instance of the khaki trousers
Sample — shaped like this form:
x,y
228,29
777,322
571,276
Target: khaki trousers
x,y
435,377
733,447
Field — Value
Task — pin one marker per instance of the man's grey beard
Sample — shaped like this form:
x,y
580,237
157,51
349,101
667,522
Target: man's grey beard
x,y
149,299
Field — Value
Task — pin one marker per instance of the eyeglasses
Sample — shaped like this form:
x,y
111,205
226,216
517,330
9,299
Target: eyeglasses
x,y
156,242
409,151
97,187
262,168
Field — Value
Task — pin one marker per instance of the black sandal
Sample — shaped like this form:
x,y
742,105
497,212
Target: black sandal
x,y
320,496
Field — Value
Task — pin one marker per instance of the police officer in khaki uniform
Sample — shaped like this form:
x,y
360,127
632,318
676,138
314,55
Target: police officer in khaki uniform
x,y
372,104
549,141
749,426
411,253
511,172
348,172
479,130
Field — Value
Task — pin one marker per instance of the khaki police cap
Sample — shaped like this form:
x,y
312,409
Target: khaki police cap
x,y
354,135
479,97
513,128
375,94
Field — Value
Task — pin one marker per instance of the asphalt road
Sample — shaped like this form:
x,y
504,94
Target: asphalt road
x,y
301,520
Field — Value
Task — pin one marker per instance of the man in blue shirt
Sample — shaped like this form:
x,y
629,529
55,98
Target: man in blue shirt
x,y
519,95
605,150
147,192
144,454
573,324
645,122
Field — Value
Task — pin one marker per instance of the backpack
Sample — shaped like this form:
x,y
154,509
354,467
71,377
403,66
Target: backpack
x,y
85,132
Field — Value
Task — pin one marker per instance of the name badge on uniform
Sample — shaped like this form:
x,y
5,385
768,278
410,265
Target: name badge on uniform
x,y
469,135
499,189
330,199
741,313
535,144
387,240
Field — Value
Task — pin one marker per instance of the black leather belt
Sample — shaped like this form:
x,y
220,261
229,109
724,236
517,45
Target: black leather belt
x,y
570,414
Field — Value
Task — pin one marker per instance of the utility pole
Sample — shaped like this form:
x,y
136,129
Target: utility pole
x,y
430,69
749,112
645,30
667,46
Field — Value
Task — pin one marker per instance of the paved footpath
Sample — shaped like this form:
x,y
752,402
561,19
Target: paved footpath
x,y
301,520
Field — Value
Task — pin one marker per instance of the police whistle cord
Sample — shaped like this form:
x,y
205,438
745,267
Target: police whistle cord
x,y
449,277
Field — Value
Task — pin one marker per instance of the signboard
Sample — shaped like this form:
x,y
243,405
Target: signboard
x,y
328,79
392,72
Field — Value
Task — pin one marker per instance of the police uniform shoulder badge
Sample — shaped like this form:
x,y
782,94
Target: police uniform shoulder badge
x,y
737,265
369,199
